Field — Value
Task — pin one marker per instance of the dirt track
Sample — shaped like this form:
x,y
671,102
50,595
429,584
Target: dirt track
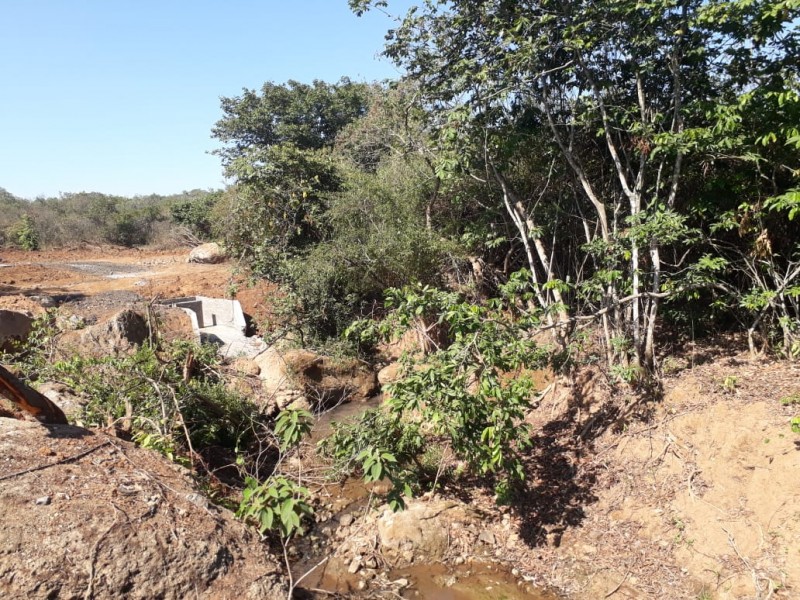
x,y
65,276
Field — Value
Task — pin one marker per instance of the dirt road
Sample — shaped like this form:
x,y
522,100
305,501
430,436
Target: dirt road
x,y
67,276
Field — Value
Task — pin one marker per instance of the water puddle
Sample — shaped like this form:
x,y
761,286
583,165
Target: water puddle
x,y
476,581
324,574
350,411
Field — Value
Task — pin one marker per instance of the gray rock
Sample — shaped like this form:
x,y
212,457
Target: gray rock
x,y
487,537
355,565
14,326
207,254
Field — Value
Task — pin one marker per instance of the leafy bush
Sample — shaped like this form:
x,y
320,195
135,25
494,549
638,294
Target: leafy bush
x,y
278,503
25,234
375,446
470,392
197,214
149,389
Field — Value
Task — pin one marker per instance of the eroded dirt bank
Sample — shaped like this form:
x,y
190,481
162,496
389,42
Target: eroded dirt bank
x,y
86,515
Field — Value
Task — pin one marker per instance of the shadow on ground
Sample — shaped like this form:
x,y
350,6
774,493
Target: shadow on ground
x,y
561,481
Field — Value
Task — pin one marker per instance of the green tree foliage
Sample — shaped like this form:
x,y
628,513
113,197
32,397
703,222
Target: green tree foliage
x,y
277,149
461,393
336,212
197,213
91,217
25,235
632,102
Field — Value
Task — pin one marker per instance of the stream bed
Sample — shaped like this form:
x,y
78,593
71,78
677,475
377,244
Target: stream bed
x,y
323,574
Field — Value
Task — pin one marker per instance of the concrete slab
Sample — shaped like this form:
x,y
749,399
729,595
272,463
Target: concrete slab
x,y
221,322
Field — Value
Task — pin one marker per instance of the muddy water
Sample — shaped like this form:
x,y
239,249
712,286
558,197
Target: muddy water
x,y
342,413
469,581
477,581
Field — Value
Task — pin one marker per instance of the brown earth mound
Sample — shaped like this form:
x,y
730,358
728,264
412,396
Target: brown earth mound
x,y
86,515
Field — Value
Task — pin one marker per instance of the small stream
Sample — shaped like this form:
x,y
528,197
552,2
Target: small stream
x,y
475,580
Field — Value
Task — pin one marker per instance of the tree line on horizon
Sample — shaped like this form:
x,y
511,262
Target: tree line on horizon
x,y
71,219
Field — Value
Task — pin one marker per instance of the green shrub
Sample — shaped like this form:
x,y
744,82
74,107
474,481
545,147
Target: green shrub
x,y
25,234
461,393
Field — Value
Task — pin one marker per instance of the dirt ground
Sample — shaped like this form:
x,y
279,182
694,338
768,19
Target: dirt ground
x,y
85,514
696,498
70,276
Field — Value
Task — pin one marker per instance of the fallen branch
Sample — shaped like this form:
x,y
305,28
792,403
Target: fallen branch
x,y
58,462
619,585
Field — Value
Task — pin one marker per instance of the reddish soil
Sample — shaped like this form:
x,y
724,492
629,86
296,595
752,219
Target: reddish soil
x,y
70,275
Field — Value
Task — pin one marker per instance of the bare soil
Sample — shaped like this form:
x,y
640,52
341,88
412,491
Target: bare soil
x,y
108,277
87,515
696,496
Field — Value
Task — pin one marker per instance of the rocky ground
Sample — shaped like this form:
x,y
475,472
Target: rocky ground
x,y
693,494
86,515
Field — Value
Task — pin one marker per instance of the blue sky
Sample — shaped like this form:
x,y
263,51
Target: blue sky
x,y
119,96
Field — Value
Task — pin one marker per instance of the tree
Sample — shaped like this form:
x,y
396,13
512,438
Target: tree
x,y
25,234
277,150
617,91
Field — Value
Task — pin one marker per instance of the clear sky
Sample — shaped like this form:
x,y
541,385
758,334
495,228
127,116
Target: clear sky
x,y
119,96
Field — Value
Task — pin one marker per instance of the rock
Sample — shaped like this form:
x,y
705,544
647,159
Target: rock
x,y
120,334
42,501
246,366
301,403
422,529
389,374
15,326
45,301
70,323
355,565
487,537
207,254
346,520
62,396
291,374
401,583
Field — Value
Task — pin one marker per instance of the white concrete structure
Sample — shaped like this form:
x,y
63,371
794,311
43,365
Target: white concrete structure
x,y
221,322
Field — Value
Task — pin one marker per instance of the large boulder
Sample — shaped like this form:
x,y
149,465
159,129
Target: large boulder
x,y
287,376
207,254
120,334
422,529
390,373
85,515
15,326
62,396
